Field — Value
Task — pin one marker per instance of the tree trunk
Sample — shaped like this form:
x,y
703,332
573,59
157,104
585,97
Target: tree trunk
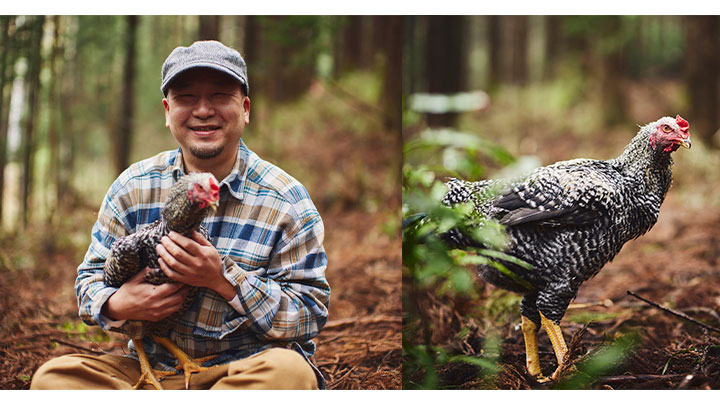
x,y
69,92
290,39
31,113
7,76
495,52
125,127
53,171
392,82
209,27
612,65
553,45
702,62
515,63
252,51
445,61
349,45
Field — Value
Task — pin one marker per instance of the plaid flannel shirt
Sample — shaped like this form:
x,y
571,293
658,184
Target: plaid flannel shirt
x,y
269,235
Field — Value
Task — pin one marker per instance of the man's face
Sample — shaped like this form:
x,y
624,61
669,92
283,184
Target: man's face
x,y
206,110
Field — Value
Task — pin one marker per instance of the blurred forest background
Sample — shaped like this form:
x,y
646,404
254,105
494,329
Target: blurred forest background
x,y
496,96
81,101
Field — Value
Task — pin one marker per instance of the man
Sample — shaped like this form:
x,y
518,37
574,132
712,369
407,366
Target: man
x,y
263,292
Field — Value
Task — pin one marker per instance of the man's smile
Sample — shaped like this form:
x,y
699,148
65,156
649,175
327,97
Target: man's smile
x,y
205,130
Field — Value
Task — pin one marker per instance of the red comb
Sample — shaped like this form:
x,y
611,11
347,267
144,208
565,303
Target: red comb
x,y
684,125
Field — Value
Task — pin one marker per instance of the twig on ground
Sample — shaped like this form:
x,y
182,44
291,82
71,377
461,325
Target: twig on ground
x,y
676,313
638,377
336,382
708,311
74,346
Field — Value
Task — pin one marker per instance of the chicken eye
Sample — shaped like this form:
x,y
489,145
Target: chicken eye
x,y
666,128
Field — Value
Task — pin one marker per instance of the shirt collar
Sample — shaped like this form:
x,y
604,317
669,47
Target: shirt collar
x,y
234,181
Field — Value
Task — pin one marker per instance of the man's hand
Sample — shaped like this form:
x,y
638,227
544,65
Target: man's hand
x,y
139,300
193,261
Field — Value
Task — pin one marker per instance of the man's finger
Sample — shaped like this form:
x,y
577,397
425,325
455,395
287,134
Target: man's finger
x,y
200,239
172,274
185,243
174,248
173,255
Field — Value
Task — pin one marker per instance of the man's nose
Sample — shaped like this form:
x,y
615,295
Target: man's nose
x,y
204,108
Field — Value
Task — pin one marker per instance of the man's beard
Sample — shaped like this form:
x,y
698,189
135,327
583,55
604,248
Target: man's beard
x,y
206,153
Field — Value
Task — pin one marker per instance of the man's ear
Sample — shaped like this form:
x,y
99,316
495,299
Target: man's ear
x,y
167,112
246,109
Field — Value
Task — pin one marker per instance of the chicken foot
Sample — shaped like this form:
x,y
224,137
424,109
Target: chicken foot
x,y
147,374
185,362
558,343
532,357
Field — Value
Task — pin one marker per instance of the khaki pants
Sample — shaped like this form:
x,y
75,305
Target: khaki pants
x,y
270,369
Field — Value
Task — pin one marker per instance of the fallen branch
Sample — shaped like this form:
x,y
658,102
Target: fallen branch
x,y
676,313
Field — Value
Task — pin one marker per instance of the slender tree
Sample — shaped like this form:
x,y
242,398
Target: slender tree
x,y
445,61
702,63
209,27
349,45
495,52
6,78
125,127
392,85
31,114
53,171
610,50
68,93
553,45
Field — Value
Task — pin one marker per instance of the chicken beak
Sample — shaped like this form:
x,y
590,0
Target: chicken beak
x,y
214,206
686,143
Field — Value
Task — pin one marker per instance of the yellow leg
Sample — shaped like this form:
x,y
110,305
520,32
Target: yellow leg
x,y
558,342
532,358
185,363
147,374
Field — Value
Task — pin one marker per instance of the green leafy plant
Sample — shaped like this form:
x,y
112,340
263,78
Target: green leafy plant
x,y
429,267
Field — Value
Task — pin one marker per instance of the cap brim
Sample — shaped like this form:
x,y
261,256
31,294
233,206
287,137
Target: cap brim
x,y
173,75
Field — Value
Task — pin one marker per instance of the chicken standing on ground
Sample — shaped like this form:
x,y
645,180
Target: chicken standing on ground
x,y
567,220
189,202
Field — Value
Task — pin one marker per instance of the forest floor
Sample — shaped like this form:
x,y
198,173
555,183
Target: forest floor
x,y
353,178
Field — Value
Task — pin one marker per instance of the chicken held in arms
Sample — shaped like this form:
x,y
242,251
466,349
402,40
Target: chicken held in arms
x,y
189,202
567,220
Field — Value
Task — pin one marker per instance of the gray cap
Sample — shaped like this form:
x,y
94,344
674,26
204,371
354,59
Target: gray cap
x,y
208,54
